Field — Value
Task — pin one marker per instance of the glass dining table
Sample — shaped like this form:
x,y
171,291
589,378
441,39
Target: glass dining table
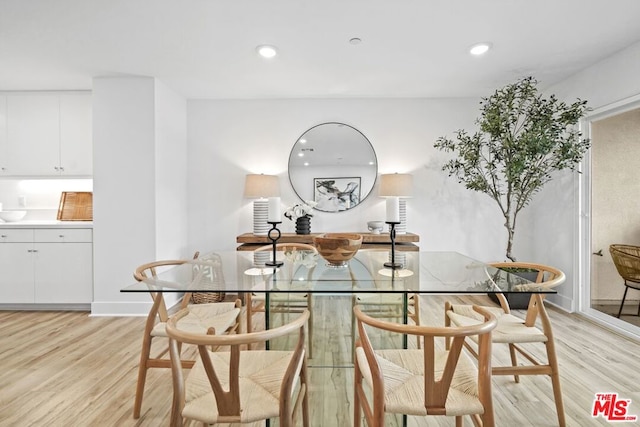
x,y
335,290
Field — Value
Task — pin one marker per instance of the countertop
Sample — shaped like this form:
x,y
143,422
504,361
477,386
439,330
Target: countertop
x,y
46,224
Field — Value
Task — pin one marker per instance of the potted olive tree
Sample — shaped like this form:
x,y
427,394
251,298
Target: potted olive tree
x,y
523,138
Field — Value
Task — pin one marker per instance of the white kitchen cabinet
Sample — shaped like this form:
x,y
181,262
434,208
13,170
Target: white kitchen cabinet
x,y
33,135
16,267
46,266
76,147
47,134
3,134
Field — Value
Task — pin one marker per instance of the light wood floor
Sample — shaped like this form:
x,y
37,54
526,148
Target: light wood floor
x,y
69,369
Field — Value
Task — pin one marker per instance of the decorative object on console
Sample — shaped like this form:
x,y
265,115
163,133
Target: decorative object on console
x,y
338,248
397,187
259,187
336,194
393,264
274,235
301,214
375,227
303,225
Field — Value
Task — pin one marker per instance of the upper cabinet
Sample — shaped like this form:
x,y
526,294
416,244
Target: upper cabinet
x,y
76,143
46,134
3,133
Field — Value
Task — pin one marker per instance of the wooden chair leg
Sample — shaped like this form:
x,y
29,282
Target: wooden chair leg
x,y
514,361
305,399
357,416
142,376
310,326
555,382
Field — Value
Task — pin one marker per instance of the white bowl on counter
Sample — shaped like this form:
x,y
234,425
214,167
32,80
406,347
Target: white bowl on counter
x,y
12,216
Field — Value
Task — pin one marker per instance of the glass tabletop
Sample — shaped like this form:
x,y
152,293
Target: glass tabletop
x,y
306,271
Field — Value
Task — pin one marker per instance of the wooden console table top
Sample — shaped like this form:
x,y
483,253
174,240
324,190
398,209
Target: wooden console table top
x,y
250,241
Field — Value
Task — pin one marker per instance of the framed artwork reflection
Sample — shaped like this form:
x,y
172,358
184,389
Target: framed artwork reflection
x,y
336,194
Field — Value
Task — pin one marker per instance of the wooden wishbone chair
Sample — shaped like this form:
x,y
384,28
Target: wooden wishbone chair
x,y
423,382
239,386
220,317
514,331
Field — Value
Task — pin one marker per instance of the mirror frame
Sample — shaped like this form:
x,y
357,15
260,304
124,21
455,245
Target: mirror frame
x,y
371,180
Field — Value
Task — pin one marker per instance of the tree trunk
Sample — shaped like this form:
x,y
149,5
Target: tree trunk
x,y
510,233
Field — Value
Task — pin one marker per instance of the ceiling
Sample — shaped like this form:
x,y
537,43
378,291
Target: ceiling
x,y
409,48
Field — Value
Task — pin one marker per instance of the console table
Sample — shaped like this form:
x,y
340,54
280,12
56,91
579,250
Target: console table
x,y
404,242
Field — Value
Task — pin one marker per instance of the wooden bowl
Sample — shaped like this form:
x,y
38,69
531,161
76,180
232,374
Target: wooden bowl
x,y
338,248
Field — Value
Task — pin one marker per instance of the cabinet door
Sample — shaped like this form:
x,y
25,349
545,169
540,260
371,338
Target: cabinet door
x,y
33,134
16,273
63,273
76,144
3,135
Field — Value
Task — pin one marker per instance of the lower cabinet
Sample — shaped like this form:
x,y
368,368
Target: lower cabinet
x,y
46,266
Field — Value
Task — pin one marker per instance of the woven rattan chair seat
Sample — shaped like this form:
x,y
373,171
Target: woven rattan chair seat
x,y
219,316
404,382
260,375
510,329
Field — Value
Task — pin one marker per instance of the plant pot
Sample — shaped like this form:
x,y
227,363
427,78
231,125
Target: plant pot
x,y
518,300
303,225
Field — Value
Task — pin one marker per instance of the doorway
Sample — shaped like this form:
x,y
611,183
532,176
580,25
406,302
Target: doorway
x,y
610,213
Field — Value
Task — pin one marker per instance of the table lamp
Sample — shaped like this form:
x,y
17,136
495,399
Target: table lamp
x,y
260,187
396,187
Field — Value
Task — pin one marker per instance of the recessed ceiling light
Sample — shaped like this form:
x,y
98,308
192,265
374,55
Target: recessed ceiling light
x,y
355,40
302,140
306,163
267,51
300,154
480,48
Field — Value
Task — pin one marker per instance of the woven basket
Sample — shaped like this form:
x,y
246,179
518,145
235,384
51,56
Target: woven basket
x,y
207,297
210,272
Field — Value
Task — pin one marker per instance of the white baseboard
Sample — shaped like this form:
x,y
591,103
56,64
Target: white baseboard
x,y
47,307
120,308
562,302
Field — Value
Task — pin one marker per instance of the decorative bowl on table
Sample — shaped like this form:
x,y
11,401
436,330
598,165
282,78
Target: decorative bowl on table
x,y
12,216
337,248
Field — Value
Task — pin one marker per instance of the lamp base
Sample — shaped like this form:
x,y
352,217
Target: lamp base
x,y
260,216
402,227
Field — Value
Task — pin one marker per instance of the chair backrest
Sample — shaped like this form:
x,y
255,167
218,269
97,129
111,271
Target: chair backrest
x,y
548,277
151,269
436,388
626,258
228,401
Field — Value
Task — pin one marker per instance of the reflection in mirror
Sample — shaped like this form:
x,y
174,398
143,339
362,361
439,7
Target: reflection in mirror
x,y
334,165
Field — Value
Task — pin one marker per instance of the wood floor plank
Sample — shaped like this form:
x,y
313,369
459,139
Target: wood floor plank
x,y
66,368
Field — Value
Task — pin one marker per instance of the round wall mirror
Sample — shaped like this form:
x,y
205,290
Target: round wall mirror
x,y
334,165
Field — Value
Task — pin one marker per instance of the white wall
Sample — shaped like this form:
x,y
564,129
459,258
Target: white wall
x,y
170,173
139,185
230,138
554,217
